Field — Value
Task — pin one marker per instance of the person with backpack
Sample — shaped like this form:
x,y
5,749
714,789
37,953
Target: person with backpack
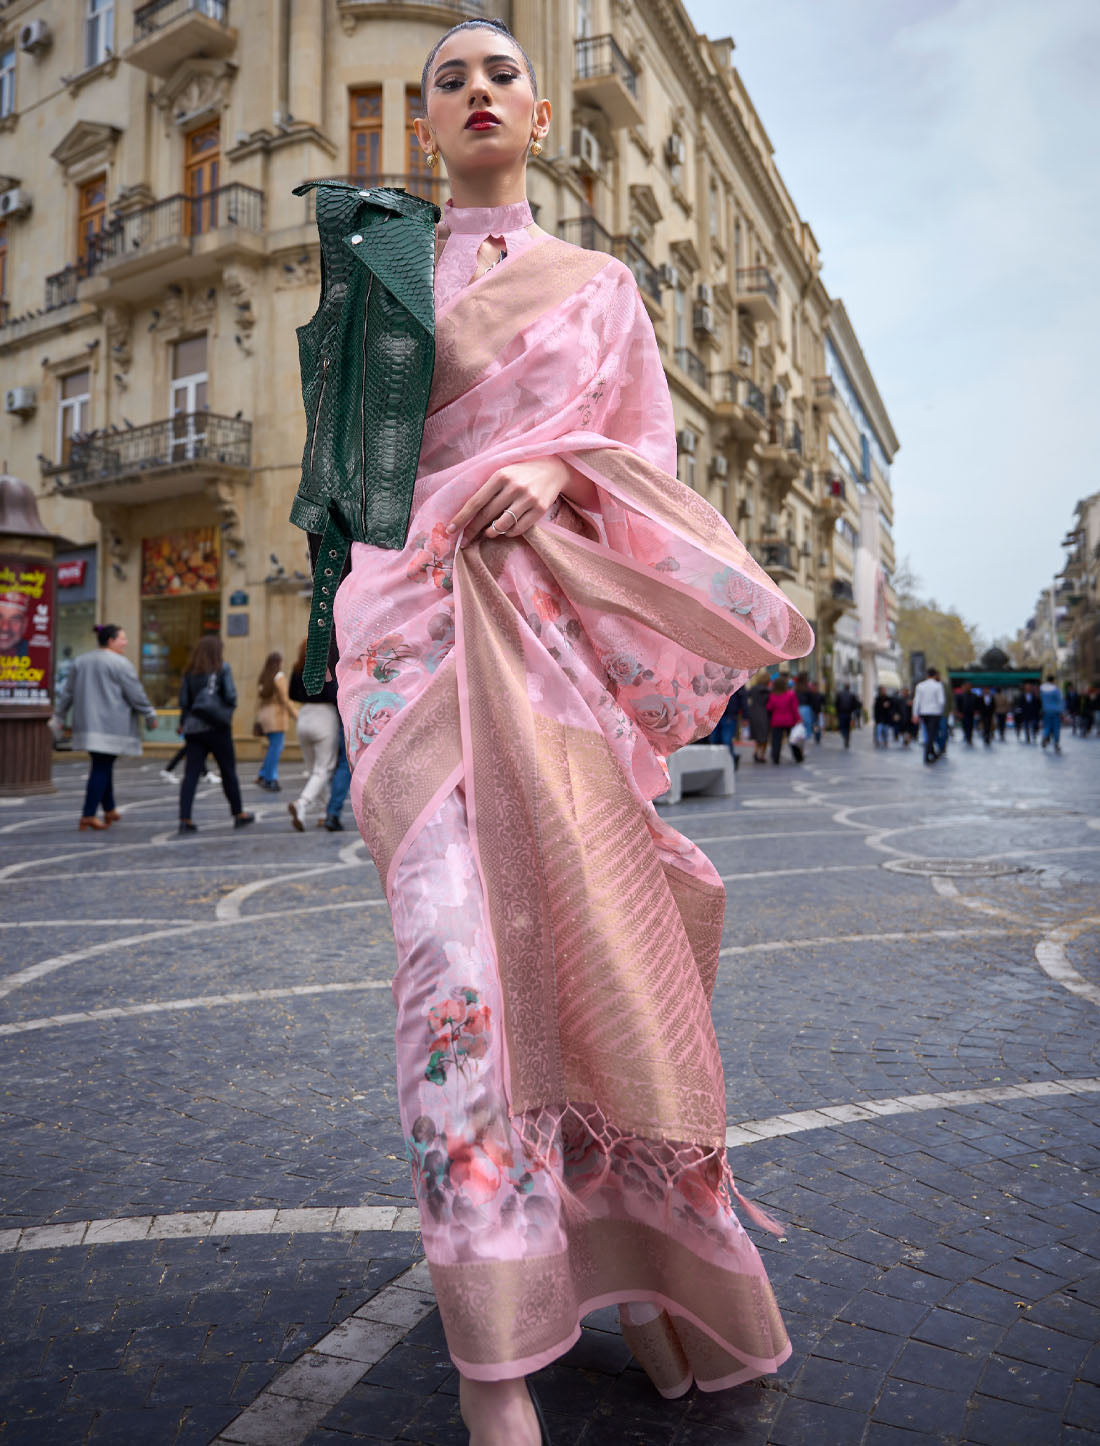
x,y
208,698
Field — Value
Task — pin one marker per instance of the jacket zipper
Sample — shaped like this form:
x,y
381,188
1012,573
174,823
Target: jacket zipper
x,y
362,411
317,419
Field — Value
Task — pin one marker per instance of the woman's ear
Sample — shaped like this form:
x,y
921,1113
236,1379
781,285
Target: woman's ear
x,y
424,133
542,117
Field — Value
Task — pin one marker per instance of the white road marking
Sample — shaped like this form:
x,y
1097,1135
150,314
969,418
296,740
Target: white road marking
x,y
773,945
747,837
199,1001
1051,955
290,1408
61,961
321,1220
751,1132
810,869
73,923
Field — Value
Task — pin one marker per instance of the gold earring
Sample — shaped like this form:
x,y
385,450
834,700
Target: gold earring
x,y
536,147
431,159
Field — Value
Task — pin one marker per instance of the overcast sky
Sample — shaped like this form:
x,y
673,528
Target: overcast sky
x,y
946,154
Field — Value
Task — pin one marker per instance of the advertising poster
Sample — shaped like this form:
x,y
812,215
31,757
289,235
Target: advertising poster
x,y
26,630
180,564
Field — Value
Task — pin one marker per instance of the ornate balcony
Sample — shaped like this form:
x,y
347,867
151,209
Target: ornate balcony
x,y
834,493
781,451
826,395
758,294
586,231
692,365
181,454
179,238
167,32
842,592
777,558
741,402
605,78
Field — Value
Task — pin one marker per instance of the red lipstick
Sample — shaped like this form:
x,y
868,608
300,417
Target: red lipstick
x,y
482,120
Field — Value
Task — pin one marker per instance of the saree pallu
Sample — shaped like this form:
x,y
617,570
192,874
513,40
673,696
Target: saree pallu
x,y
508,708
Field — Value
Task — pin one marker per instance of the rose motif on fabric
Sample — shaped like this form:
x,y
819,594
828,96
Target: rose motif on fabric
x,y
733,591
655,712
381,658
432,558
375,711
622,669
546,605
460,1026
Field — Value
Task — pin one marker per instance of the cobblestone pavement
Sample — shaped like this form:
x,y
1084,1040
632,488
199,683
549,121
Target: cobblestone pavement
x,y
207,1227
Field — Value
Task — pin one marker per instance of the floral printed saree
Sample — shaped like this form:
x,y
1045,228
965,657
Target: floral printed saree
x,y
508,707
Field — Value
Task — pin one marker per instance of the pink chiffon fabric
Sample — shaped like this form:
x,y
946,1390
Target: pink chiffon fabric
x,y
521,1184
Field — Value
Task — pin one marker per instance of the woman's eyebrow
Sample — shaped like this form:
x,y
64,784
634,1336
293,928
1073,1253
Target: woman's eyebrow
x,y
489,60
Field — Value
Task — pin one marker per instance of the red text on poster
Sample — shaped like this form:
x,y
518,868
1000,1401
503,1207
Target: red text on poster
x,y
26,630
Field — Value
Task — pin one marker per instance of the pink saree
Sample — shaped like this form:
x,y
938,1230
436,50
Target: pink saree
x,y
508,708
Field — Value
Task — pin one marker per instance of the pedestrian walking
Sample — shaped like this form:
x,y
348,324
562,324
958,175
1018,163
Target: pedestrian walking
x,y
986,713
903,718
318,737
275,708
1001,709
208,699
1030,713
784,717
966,707
338,790
847,705
727,730
928,707
1071,707
1050,702
511,680
1088,710
884,717
105,695
759,723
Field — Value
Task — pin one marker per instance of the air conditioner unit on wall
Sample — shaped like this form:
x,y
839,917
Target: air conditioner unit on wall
x,y
15,202
744,355
668,274
34,36
703,319
719,467
675,150
20,400
685,440
586,150
704,294
747,508
771,524
806,550
779,395
823,559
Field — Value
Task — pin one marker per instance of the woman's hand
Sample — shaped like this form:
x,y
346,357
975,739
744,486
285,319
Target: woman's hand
x,y
513,499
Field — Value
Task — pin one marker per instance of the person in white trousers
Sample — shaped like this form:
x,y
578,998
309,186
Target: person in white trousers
x,y
319,737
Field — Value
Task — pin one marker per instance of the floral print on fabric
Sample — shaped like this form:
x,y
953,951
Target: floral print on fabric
x,y
459,1027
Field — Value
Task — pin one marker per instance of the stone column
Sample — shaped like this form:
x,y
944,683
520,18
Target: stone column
x,y
307,33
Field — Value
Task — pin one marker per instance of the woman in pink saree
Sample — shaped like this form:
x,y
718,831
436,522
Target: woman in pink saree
x,y
564,615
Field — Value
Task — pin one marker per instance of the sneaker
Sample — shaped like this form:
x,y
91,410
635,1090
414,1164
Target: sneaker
x,y
333,825
242,820
186,826
209,777
297,817
168,777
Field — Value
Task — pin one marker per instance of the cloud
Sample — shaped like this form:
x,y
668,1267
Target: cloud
x,y
944,153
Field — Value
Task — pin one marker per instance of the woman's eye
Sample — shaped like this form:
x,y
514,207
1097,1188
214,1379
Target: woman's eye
x,y
505,75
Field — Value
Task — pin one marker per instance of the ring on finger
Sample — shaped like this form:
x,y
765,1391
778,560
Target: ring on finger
x,y
506,513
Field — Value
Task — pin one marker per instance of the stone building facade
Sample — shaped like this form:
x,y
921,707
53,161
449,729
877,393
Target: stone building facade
x,y
155,264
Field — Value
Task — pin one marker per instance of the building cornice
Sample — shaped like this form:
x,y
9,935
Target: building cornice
x,y
844,338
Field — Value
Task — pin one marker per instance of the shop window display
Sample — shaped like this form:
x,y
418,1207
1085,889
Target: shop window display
x,y
180,601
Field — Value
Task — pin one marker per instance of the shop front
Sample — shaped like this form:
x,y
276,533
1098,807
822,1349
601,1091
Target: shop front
x,y
180,603
77,583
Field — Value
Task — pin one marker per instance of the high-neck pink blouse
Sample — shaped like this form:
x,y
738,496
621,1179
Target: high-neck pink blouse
x,y
464,229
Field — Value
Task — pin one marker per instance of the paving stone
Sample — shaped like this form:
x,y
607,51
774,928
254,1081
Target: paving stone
x,y
920,1407
991,1422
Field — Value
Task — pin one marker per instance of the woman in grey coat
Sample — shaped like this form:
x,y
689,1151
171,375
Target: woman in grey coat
x,y
106,697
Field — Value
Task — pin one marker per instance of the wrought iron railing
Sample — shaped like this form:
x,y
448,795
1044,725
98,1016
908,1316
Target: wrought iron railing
x,y
158,13
178,217
586,231
598,55
61,286
775,554
754,398
689,362
182,440
757,281
727,386
834,488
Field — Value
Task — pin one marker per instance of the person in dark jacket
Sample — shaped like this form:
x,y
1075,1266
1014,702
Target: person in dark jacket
x,y
759,723
729,725
846,704
208,697
966,708
1029,710
884,717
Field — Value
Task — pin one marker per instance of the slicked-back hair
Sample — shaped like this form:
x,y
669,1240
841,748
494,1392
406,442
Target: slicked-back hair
x,y
497,25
